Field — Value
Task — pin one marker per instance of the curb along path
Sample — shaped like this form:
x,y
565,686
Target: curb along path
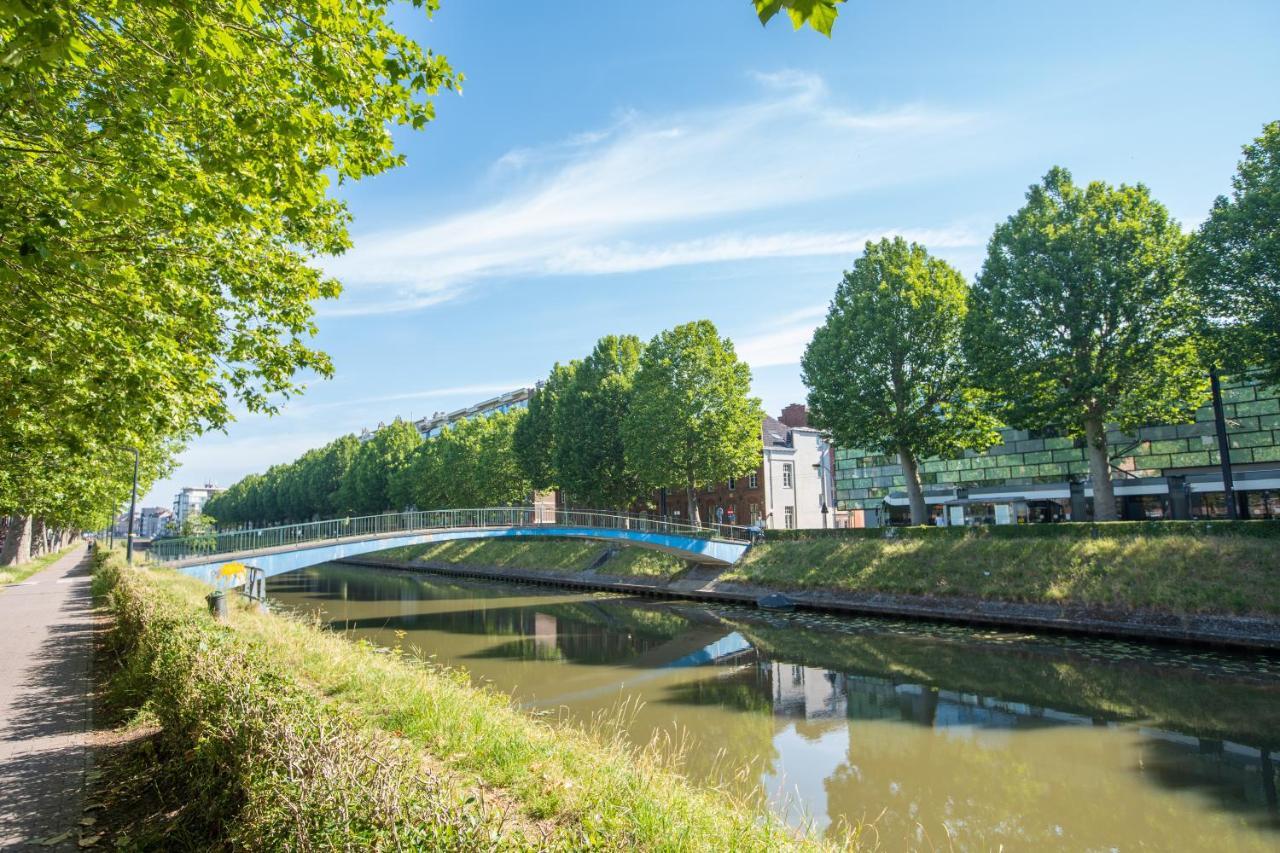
x,y
46,649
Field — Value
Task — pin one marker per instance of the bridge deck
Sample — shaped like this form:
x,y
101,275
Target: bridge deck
x,y
288,557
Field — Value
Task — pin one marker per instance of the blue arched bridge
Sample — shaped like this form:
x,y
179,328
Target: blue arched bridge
x,y
276,550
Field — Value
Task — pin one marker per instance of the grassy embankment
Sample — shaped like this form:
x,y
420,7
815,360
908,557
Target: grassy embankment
x,y
1168,569
280,734
17,574
1180,572
558,555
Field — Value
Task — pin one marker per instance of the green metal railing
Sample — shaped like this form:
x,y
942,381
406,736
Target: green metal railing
x,y
265,538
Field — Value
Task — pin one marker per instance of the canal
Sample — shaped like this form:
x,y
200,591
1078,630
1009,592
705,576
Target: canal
x,y
930,731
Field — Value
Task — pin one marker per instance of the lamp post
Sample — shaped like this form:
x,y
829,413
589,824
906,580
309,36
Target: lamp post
x,y
1224,445
133,504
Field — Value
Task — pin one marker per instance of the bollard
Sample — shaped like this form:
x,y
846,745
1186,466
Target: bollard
x,y
218,605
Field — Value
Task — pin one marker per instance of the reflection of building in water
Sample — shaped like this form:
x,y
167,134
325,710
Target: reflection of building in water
x,y
808,692
544,631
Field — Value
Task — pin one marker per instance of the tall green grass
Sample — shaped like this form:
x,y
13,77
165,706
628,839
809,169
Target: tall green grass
x,y
542,784
262,762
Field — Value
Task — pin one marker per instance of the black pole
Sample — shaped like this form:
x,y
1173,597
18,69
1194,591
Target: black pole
x,y
1224,446
133,503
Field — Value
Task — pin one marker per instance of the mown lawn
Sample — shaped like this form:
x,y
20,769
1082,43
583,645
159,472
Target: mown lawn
x,y
560,555
1192,574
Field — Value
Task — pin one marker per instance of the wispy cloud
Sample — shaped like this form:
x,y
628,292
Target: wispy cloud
x,y
627,257
784,341
608,201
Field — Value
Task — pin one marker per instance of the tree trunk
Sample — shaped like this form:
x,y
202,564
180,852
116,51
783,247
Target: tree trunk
x,y
915,495
39,537
17,541
691,492
1104,495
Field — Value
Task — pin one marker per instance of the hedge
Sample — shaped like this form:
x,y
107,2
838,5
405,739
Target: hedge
x,y
1065,530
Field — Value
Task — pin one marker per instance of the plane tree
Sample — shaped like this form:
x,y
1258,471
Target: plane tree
x,y
589,458
1082,317
167,172
885,370
692,420
1235,262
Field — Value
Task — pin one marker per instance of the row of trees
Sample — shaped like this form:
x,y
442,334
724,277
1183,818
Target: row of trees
x,y
630,418
165,170
470,464
607,430
1093,307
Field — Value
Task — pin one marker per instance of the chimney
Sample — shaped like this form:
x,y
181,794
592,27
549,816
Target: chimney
x,y
795,415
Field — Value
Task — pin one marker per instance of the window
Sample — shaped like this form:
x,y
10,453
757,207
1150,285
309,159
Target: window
x,y
733,483
789,514
786,475
754,481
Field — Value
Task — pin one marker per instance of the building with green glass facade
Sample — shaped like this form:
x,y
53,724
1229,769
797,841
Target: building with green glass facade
x,y
1161,471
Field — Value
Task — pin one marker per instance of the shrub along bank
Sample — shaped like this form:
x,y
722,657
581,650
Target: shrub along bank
x,y
288,736
1190,568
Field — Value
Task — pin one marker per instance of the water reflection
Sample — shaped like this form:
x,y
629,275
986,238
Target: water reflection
x,y
934,732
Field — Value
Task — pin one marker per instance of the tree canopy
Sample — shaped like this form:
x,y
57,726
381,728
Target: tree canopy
x,y
692,420
535,434
886,372
1082,316
1236,261
589,459
166,169
470,464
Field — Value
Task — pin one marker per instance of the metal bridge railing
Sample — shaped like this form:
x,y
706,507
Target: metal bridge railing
x,y
235,541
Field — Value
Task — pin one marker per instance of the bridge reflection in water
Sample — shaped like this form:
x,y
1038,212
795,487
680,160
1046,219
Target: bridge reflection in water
x,y
983,737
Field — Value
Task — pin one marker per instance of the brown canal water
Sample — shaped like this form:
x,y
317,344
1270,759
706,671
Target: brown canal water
x,y
942,736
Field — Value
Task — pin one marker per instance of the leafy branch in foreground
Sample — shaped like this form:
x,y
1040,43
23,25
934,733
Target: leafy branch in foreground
x,y
819,14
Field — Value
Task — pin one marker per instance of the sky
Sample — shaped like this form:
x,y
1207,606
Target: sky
x,y
623,167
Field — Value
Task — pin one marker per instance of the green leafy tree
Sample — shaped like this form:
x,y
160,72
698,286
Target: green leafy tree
x,y
819,14
535,434
373,479
471,464
886,371
692,420
588,454
1082,317
166,170
1235,262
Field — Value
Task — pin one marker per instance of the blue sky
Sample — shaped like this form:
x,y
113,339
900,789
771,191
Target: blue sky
x,y
624,167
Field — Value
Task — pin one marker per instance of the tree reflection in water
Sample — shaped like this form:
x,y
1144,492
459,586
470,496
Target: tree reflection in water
x,y
984,737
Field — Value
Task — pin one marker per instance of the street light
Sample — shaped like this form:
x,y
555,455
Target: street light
x,y
133,503
1224,445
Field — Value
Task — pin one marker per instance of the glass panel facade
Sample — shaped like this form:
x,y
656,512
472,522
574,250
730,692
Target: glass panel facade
x,y
864,479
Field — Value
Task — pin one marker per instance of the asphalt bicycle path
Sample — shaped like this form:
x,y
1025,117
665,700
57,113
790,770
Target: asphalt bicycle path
x,y
47,631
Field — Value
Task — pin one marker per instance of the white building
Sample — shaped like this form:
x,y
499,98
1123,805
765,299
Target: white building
x,y
191,500
796,477
790,489
438,422
154,520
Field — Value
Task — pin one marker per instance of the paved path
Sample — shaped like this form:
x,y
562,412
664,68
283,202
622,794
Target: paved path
x,y
46,648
